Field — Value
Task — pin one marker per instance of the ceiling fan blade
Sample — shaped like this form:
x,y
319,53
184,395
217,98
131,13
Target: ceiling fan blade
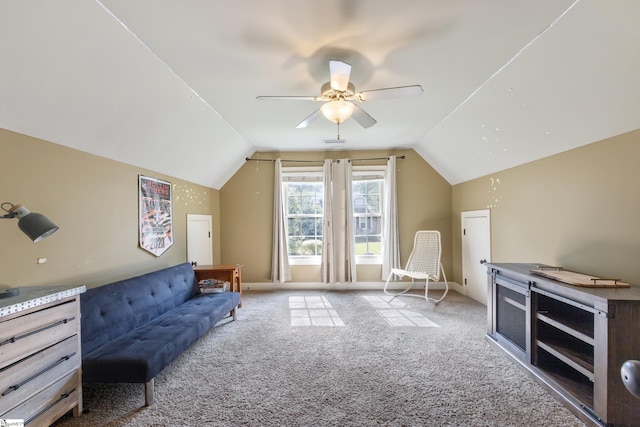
x,y
340,72
306,122
291,98
362,117
390,93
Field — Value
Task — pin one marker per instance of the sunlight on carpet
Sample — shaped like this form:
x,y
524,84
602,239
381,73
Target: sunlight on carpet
x,y
317,311
390,309
313,311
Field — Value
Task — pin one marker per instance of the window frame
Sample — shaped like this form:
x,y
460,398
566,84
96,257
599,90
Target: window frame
x,y
301,174
371,172
315,174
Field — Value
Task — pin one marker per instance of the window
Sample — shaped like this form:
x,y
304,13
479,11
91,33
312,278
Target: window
x,y
367,189
303,193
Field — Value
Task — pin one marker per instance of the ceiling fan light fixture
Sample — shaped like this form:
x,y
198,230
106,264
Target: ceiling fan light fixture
x,y
338,93
337,111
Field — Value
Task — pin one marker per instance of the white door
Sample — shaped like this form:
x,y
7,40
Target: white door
x,y
199,239
476,247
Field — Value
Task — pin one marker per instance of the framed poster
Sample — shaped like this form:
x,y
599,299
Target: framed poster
x,y
155,215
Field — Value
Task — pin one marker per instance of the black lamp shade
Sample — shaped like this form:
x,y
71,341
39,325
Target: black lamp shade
x,y
36,226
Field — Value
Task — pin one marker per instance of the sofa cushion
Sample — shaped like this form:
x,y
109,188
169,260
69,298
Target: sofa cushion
x,y
140,354
112,310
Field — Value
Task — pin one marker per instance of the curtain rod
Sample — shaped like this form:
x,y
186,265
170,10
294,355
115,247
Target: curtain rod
x,y
319,161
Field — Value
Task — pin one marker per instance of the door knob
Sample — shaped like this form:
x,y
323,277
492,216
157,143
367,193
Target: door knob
x,y
483,261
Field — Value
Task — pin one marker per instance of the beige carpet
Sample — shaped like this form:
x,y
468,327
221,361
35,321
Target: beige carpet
x,y
352,358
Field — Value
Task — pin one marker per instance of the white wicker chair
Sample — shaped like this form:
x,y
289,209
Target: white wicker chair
x,y
424,264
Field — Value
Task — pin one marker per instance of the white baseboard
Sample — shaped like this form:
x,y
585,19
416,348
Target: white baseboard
x,y
269,286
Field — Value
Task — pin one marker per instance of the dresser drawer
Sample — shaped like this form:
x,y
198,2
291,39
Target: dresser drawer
x,y
30,375
48,405
26,334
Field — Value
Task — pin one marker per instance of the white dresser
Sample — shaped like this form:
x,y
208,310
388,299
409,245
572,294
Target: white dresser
x,y
40,358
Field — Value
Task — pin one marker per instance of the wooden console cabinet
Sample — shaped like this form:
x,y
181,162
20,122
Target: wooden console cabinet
x,y
40,358
573,340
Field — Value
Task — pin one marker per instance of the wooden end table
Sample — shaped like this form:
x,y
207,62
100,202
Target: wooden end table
x,y
231,273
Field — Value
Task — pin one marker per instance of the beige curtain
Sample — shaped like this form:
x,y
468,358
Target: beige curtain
x,y
390,236
338,261
280,271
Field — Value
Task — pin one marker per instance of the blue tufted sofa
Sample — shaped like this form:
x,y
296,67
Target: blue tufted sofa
x,y
132,329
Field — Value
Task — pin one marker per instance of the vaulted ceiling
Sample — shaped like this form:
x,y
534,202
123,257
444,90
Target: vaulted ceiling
x,y
171,85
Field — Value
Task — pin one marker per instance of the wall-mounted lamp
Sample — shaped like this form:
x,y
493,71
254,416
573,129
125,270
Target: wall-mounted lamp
x,y
33,224
630,372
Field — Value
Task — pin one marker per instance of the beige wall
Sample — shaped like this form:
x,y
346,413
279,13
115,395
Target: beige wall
x,y
579,209
94,201
246,207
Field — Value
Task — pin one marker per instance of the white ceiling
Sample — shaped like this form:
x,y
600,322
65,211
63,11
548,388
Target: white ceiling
x,y
170,85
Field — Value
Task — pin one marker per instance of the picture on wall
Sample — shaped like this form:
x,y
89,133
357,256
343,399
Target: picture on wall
x,y
155,215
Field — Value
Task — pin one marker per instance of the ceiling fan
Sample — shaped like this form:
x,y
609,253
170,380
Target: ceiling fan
x,y
338,94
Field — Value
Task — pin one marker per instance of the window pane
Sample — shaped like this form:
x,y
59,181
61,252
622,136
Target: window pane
x,y
312,247
293,197
294,226
295,245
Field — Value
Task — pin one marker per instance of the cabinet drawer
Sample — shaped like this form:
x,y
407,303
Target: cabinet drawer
x,y
35,331
51,403
30,375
